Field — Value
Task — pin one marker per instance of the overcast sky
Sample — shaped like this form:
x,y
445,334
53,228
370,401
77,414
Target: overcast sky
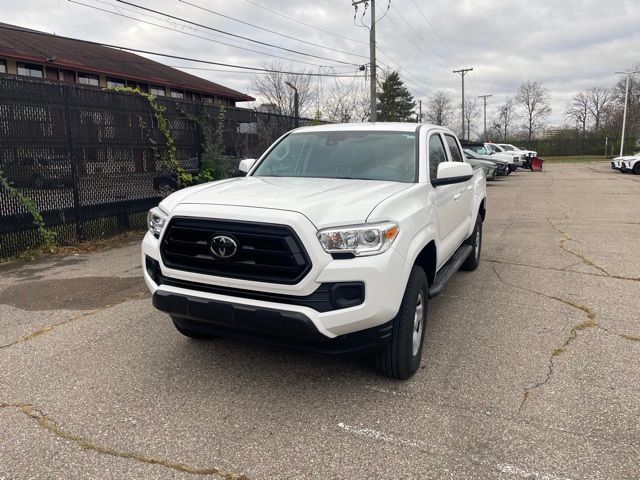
x,y
565,44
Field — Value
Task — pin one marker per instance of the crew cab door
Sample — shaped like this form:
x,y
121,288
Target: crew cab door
x,y
463,198
452,203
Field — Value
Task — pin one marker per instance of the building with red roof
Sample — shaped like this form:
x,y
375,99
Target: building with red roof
x,y
37,54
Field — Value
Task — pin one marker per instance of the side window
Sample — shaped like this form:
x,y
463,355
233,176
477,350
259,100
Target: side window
x,y
456,155
437,154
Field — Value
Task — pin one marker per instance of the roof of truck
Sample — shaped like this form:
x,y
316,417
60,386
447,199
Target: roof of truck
x,y
379,126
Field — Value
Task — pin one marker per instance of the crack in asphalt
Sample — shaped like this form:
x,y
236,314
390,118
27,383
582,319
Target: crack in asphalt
x,y
48,328
53,427
590,322
565,238
632,338
563,270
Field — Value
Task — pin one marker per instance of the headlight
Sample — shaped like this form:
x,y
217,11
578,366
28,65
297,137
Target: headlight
x,y
156,218
360,240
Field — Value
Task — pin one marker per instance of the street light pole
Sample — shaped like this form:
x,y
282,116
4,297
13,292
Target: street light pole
x,y
296,99
624,115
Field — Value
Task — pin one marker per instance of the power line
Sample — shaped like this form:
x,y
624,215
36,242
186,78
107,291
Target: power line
x,y
234,34
328,75
434,30
268,30
180,27
305,24
422,40
427,55
168,55
187,33
415,81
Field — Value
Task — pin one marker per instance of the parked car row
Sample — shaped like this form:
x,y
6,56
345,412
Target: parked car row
x,y
630,163
497,159
524,156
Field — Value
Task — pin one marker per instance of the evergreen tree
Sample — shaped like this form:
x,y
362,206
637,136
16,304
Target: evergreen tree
x,y
395,103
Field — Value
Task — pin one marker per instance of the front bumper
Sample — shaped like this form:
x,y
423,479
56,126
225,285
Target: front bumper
x,y
614,166
384,278
294,329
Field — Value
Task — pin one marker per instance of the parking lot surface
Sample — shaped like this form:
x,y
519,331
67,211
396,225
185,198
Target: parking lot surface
x,y
531,368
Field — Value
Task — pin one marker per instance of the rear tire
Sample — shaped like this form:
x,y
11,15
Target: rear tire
x,y
191,333
475,240
401,357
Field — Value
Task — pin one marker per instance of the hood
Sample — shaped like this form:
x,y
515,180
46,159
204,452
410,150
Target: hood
x,y
324,201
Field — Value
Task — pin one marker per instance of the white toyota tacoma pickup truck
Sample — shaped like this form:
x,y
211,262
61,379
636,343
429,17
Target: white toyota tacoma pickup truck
x,y
333,242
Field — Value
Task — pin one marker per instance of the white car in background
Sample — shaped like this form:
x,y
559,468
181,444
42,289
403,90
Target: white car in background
x,y
524,156
513,160
629,163
512,148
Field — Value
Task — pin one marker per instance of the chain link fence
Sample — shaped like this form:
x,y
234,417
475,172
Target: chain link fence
x,y
92,159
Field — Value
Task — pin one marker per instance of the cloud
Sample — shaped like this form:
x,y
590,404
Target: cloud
x,y
567,45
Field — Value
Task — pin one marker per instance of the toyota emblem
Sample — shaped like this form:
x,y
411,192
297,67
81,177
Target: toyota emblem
x,y
223,247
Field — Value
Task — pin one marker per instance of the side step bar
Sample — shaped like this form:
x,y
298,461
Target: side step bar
x,y
449,268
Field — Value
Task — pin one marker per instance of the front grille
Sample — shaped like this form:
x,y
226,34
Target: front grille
x,y
266,252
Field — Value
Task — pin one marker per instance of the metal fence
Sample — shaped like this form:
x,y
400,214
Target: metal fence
x,y
91,159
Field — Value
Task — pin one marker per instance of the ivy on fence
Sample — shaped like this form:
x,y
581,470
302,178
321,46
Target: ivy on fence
x,y
48,236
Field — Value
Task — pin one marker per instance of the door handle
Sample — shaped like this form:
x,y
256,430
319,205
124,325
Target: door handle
x,y
457,196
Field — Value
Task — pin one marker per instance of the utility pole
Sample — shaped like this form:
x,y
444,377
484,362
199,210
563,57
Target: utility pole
x,y
372,55
484,98
624,115
420,110
463,72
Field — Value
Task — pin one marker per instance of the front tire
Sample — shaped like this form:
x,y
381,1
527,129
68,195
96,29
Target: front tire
x,y
401,357
475,240
636,168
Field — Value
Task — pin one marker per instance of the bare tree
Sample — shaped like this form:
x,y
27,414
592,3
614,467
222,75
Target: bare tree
x,y
598,98
535,99
504,119
272,88
439,107
578,111
471,111
347,103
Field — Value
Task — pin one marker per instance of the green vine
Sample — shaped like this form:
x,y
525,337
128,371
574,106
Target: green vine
x,y
48,236
214,160
168,157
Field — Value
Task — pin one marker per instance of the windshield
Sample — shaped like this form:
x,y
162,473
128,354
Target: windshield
x,y
366,155
507,147
479,149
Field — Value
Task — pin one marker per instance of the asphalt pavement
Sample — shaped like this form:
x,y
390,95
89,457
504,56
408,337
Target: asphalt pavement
x,y
531,368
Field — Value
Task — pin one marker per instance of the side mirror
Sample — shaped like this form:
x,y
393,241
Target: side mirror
x,y
452,172
246,164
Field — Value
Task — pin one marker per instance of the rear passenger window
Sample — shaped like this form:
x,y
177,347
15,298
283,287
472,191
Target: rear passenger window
x,y
456,155
437,155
